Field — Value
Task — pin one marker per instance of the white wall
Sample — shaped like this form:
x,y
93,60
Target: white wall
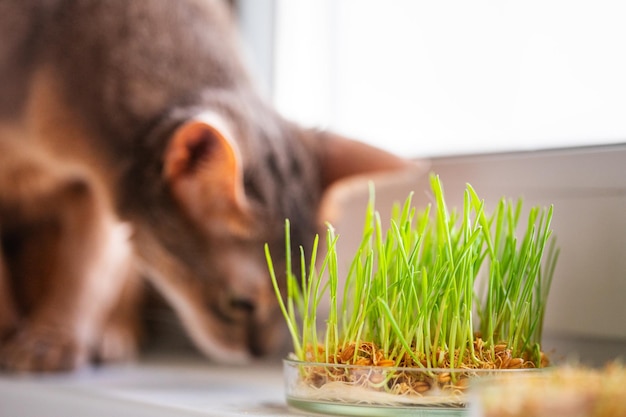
x,y
426,78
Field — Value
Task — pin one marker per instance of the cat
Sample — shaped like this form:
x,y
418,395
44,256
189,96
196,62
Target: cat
x,y
134,144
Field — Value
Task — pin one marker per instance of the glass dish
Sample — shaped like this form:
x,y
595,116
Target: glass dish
x,y
353,390
572,391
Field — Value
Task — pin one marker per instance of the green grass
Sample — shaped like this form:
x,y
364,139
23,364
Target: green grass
x,y
432,288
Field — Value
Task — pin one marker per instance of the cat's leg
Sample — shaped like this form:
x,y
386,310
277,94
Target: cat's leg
x,y
121,333
8,309
86,270
8,312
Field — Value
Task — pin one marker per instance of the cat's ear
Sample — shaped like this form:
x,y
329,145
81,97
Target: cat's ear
x,y
342,158
347,167
202,166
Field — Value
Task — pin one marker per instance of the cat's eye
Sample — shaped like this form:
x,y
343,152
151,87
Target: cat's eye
x,y
242,305
232,308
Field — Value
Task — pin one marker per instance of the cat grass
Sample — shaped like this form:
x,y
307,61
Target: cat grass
x,y
428,289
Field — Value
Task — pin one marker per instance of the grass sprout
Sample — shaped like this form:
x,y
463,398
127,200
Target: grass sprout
x,y
434,288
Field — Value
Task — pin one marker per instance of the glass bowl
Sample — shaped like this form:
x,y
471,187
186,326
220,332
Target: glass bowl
x,y
353,390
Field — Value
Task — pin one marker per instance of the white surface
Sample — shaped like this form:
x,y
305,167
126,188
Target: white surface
x,y
156,388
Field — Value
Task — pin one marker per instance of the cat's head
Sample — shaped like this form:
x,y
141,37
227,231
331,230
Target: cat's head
x,y
229,191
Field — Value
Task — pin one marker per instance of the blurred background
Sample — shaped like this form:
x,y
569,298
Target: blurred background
x,y
448,77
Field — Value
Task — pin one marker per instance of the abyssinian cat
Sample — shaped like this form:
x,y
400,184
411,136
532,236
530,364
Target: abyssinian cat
x,y
134,144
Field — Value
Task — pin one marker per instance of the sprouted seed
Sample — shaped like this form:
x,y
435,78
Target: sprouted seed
x,y
434,288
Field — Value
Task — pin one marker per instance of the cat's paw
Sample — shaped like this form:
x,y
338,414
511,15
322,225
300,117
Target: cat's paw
x,y
42,349
6,329
8,316
117,343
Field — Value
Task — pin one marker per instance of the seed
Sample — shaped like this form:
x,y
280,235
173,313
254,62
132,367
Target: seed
x,y
500,347
503,358
347,353
421,386
462,383
386,362
443,377
515,363
363,362
377,378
